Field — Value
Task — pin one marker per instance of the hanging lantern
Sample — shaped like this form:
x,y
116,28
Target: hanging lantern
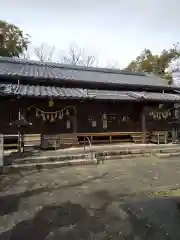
x,y
51,103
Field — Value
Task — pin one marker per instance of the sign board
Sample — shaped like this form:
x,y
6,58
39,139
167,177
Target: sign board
x,y
1,150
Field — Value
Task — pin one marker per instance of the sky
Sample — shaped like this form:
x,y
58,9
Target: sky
x,y
115,31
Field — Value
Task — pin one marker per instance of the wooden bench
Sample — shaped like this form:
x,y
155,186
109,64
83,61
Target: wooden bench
x,y
112,137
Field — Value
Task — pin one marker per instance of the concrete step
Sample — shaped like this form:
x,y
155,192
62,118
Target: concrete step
x,y
99,155
88,156
166,150
45,165
56,164
165,155
94,154
79,161
94,148
41,159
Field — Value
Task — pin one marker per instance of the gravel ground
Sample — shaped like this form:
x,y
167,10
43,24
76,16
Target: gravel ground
x,y
113,200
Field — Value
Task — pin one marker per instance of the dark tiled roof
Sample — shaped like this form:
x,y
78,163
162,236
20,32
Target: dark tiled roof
x,y
58,92
156,96
42,91
111,95
53,71
131,95
78,93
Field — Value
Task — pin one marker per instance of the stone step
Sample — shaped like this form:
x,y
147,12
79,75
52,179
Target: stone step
x,y
56,164
167,150
41,159
165,155
45,165
100,155
97,148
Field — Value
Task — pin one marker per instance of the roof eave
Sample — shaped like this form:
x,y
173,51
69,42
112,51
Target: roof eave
x,y
92,84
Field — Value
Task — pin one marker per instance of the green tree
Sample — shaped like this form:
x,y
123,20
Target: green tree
x,y
154,63
13,41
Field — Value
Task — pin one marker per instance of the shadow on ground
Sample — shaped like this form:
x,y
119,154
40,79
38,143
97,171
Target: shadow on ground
x,y
9,203
68,221
112,221
118,218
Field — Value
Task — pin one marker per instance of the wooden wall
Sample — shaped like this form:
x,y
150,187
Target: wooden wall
x,y
121,116
158,118
8,114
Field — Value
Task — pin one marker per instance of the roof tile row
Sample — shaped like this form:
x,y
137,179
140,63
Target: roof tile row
x,y
78,93
53,71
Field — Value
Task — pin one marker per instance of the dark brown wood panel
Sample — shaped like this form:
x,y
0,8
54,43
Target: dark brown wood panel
x,y
8,114
83,116
118,116
158,118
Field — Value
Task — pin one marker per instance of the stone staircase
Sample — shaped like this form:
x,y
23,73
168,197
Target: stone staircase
x,y
92,155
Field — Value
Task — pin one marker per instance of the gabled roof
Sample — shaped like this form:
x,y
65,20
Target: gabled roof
x,y
14,68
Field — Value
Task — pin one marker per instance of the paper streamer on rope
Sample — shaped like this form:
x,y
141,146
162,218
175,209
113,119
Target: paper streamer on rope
x,y
68,124
52,116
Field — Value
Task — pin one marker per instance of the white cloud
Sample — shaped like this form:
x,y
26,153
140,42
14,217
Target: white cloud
x,y
114,31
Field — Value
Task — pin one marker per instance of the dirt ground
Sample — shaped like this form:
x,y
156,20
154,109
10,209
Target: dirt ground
x,y
114,200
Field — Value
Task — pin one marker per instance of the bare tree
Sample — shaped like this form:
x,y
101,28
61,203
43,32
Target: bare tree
x,y
25,55
44,52
77,56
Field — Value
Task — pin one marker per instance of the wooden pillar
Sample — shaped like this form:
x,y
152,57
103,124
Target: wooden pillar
x,y
175,128
74,124
143,124
1,152
75,121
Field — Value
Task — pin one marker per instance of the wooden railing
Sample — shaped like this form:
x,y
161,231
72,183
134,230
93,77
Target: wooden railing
x,y
11,141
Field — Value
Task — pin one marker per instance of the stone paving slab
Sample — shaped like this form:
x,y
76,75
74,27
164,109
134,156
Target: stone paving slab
x,y
108,201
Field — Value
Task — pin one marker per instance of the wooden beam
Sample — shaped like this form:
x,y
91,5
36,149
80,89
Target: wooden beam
x,y
143,125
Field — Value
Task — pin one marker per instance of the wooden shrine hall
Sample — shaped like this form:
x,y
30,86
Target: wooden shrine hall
x,y
67,105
